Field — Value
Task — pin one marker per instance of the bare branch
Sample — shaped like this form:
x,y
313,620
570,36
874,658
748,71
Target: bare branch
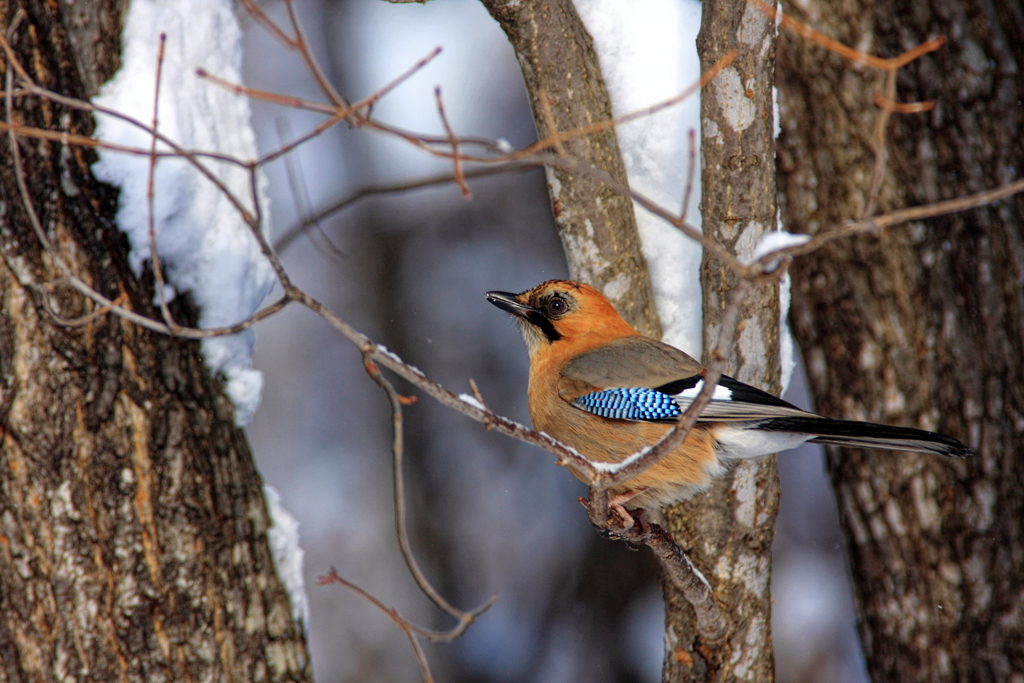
x,y
409,629
154,256
460,178
855,56
881,150
295,231
297,184
556,138
401,530
691,169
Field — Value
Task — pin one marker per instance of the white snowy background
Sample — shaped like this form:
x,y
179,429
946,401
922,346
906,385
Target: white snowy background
x,y
488,514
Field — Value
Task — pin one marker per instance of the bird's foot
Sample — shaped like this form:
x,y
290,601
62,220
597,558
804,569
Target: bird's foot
x,y
622,523
645,525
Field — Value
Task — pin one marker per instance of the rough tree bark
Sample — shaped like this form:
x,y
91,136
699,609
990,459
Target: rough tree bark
x,y
920,325
728,530
132,522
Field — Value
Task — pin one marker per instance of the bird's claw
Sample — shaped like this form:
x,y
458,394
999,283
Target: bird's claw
x,y
621,523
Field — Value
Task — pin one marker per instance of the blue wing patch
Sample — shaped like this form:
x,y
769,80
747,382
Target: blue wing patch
x,y
631,403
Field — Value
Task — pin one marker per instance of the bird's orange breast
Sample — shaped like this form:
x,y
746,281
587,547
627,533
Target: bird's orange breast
x,y
686,470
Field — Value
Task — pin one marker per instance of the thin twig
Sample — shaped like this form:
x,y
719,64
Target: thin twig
x,y
460,178
956,205
266,96
297,184
257,13
893,218
435,144
297,43
97,312
554,138
691,172
66,138
881,149
476,393
295,231
904,107
409,629
401,529
849,53
12,59
302,139
154,256
307,57
398,80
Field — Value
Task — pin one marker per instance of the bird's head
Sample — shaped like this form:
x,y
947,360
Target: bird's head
x,y
562,311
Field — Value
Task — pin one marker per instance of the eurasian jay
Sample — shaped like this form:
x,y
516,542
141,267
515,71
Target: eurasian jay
x,y
607,391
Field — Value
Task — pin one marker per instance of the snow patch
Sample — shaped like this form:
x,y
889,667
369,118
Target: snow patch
x,y
616,467
283,536
719,393
204,245
647,50
776,241
471,400
787,347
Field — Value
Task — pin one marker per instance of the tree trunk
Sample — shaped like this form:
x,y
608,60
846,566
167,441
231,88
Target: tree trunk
x,y
728,530
132,522
597,227
596,224
920,325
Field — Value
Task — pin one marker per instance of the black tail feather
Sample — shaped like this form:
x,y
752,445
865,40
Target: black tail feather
x,y
868,435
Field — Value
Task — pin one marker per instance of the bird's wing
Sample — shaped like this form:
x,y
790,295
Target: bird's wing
x,y
640,379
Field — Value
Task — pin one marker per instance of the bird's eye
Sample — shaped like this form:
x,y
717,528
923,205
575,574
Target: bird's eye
x,y
556,306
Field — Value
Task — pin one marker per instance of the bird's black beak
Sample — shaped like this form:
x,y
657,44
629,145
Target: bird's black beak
x,y
508,302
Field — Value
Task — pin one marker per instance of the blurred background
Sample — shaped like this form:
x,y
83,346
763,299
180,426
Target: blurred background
x,y
488,514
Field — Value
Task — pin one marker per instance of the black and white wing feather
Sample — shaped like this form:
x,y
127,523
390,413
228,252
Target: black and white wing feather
x,y
665,381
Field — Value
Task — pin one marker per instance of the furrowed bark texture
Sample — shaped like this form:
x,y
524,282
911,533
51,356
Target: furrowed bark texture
x,y
132,521
728,530
597,225
922,325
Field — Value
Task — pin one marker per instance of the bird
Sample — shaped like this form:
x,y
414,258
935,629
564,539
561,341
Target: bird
x,y
607,391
